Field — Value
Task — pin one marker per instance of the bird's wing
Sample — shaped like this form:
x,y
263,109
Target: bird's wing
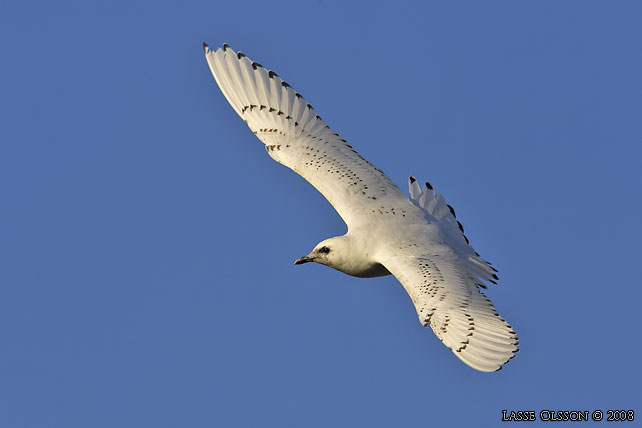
x,y
296,136
451,231
446,295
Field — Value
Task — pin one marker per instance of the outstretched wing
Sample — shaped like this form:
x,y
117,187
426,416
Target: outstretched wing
x,y
447,297
296,136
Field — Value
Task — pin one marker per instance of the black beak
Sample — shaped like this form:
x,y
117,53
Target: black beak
x,y
302,260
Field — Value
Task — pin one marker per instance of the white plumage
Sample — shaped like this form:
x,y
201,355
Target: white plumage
x,y
418,240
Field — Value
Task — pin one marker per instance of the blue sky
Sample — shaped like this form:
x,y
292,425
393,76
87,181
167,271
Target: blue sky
x,y
147,239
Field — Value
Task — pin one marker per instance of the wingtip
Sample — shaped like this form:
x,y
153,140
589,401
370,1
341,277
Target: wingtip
x,y
205,47
429,186
452,211
412,179
226,46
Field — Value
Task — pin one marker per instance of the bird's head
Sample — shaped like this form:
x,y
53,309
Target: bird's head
x,y
328,252
345,254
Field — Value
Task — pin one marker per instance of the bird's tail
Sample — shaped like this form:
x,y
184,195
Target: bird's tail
x,y
436,208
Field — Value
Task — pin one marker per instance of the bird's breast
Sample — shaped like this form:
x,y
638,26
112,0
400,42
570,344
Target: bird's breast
x,y
371,270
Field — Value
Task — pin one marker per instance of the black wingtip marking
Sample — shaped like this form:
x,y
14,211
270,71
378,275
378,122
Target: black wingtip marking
x,y
429,186
285,85
412,179
205,46
240,55
298,95
272,74
225,46
452,211
256,65
495,276
459,225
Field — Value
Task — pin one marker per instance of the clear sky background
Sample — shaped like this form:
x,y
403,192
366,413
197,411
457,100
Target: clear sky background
x,y
147,239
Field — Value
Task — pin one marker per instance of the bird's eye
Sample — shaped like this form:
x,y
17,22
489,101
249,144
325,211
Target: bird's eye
x,y
324,250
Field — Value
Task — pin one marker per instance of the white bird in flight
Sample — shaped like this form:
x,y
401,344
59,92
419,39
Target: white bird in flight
x,y
418,240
